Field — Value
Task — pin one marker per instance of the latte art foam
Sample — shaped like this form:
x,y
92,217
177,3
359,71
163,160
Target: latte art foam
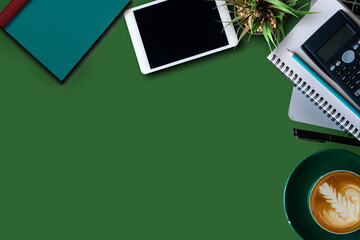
x,y
345,209
335,202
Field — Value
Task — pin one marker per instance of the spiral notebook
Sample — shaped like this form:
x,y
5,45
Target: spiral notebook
x,y
304,111
314,91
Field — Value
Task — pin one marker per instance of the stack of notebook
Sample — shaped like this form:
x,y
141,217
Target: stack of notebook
x,y
312,102
58,33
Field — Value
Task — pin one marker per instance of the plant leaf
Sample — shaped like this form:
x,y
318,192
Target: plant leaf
x,y
266,36
246,30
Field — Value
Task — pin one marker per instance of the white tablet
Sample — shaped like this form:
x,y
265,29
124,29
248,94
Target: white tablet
x,y
169,32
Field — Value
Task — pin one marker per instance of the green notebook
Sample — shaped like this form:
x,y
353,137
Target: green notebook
x,y
58,33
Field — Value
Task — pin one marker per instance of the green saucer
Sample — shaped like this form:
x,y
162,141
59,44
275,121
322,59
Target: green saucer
x,y
299,184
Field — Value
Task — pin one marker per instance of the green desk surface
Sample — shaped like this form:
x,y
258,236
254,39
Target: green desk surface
x,y
198,151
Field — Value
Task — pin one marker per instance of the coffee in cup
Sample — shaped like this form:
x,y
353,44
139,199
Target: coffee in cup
x,y
335,202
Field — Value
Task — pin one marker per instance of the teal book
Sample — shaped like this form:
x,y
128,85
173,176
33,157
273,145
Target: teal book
x,y
58,33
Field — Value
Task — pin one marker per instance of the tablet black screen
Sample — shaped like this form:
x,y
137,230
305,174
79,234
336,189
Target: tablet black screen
x,y
177,29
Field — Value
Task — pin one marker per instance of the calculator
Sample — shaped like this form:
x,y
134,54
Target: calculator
x,y
335,48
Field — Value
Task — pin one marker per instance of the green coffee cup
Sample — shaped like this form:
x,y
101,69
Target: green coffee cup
x,y
300,185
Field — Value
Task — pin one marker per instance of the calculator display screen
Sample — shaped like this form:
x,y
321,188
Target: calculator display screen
x,y
335,42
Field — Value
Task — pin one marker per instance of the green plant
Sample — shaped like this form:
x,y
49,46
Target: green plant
x,y
263,16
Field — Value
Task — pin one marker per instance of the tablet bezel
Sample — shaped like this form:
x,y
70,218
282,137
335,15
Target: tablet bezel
x,y
139,46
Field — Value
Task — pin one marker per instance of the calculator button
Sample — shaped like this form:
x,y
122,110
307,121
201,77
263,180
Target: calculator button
x,y
357,82
359,42
354,67
332,68
348,56
348,73
348,82
344,68
357,93
358,73
352,77
356,47
349,5
352,87
338,63
343,78
356,9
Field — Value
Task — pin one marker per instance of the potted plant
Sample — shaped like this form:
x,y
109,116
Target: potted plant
x,y
263,17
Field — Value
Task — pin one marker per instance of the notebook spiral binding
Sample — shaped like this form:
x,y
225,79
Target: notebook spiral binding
x,y
316,98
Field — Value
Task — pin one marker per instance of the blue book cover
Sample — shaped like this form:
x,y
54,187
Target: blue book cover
x,y
58,33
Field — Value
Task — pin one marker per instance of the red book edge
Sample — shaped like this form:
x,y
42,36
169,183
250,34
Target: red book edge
x,y
10,11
